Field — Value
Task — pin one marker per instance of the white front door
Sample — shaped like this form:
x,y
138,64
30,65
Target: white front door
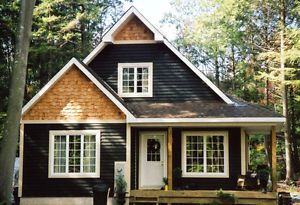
x,y
152,160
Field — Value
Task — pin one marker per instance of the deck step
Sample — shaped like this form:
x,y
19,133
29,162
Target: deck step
x,y
144,200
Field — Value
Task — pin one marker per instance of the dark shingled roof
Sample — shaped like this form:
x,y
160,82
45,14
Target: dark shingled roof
x,y
188,109
198,109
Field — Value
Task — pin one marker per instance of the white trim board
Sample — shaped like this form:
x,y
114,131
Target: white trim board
x,y
58,76
71,121
205,173
158,37
135,67
210,120
67,174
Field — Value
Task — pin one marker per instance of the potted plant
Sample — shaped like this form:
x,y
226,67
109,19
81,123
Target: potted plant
x,y
225,198
263,173
120,189
165,180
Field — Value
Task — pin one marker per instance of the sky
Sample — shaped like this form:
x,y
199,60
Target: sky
x,y
154,11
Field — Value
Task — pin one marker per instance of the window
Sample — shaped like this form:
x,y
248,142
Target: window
x,y
205,154
74,153
135,79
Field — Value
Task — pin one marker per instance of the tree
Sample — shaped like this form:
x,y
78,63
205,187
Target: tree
x,y
15,101
251,49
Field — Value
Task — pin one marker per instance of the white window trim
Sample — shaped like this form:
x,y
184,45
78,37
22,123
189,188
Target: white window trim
x,y
51,173
149,65
205,175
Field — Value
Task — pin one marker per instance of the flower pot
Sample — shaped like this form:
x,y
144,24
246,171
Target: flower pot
x,y
121,198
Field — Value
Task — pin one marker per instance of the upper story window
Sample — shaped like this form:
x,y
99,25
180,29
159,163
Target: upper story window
x,y
135,79
74,154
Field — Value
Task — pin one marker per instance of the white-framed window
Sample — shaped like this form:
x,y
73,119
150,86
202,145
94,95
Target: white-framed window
x,y
135,79
205,154
74,153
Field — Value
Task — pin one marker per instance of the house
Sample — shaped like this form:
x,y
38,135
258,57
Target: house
x,y
136,102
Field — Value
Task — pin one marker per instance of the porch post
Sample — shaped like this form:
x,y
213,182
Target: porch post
x,y
274,162
170,159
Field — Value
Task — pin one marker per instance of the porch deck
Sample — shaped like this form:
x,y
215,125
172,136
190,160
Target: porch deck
x,y
199,197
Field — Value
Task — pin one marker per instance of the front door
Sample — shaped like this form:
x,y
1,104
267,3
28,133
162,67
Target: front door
x,y
152,160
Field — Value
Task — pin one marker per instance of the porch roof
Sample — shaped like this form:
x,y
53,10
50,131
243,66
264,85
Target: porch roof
x,y
199,109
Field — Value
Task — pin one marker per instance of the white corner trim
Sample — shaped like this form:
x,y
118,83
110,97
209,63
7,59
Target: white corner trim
x,y
210,120
198,73
128,158
148,65
75,62
67,174
205,174
243,152
21,155
108,37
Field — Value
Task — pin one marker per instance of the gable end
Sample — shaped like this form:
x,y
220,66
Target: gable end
x,y
135,29
74,97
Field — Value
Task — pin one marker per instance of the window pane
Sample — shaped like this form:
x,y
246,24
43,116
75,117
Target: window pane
x,y
128,80
215,154
74,153
194,153
59,154
153,150
89,153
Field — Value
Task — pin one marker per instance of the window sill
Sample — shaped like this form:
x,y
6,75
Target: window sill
x,y
221,175
74,176
135,95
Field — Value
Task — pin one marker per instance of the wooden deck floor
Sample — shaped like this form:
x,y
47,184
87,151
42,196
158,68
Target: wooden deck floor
x,y
199,197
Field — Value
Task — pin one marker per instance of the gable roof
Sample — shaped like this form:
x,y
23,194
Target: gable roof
x,y
158,37
110,93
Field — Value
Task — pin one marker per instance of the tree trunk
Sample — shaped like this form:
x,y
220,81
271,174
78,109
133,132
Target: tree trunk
x,y
217,75
233,67
15,101
295,154
285,112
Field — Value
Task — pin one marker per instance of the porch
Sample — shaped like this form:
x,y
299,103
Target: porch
x,y
172,154
200,197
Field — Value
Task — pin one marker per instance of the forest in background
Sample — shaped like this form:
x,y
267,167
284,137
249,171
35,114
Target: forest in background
x,y
250,49
237,43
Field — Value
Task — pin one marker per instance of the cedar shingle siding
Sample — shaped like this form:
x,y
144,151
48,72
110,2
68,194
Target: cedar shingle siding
x,y
135,29
74,97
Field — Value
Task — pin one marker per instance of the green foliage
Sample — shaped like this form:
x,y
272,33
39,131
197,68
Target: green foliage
x,y
165,180
237,44
121,184
224,198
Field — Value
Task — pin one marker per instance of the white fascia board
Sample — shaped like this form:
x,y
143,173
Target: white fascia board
x,y
48,86
199,73
108,37
94,53
210,120
74,61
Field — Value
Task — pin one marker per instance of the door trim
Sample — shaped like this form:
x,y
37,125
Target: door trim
x,y
142,133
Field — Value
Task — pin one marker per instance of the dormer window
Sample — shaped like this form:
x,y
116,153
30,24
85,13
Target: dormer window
x,y
135,79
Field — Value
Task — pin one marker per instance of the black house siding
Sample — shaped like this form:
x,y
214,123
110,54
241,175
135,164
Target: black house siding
x,y
194,183
172,79
36,151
